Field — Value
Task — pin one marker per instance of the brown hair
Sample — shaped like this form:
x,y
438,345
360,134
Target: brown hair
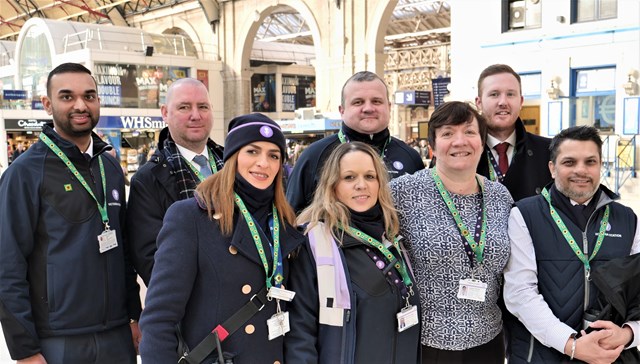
x,y
217,194
496,69
455,113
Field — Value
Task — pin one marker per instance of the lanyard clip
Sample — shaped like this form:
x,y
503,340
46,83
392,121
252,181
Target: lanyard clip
x,y
106,226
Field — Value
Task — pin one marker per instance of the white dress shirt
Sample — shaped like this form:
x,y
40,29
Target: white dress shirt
x,y
493,141
188,155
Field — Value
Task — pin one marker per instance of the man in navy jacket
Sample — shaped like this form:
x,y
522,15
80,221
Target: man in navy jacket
x,y
557,239
365,111
68,293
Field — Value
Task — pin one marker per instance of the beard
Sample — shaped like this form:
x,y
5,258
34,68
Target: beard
x,y
577,195
64,124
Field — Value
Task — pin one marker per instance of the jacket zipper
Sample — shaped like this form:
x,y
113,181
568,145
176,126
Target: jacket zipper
x,y
106,291
587,272
531,343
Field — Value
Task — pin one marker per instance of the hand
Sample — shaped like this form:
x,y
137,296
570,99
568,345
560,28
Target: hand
x,y
588,348
619,335
136,334
34,359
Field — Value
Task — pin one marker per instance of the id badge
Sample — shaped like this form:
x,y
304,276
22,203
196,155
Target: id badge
x,y
278,325
472,289
407,317
107,240
281,294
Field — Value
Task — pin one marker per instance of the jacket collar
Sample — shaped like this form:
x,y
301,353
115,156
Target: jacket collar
x,y
241,239
69,148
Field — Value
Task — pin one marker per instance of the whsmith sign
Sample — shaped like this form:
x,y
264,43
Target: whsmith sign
x,y
24,124
131,122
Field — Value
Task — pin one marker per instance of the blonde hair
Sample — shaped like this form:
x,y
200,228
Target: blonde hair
x,y
218,196
326,207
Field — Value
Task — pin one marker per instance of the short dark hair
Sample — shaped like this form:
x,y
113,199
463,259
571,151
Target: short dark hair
x,y
455,113
582,133
496,69
67,68
362,76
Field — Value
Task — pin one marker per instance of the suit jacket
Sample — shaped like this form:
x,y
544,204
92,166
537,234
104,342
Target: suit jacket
x,y
528,172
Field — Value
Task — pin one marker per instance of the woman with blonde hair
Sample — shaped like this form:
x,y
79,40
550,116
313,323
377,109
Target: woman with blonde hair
x,y
355,298
221,265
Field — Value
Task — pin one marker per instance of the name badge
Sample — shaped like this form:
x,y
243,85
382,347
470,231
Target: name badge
x,y
107,240
407,317
472,289
278,325
281,294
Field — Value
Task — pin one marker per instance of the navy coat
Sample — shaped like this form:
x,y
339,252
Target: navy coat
x,y
201,278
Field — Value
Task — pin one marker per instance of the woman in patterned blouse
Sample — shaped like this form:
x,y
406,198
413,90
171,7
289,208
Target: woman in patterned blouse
x,y
455,227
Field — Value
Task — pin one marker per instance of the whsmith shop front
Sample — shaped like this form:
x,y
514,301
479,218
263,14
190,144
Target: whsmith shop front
x,y
133,137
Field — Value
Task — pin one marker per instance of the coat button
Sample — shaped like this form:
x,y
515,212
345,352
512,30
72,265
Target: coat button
x,y
249,329
233,250
246,289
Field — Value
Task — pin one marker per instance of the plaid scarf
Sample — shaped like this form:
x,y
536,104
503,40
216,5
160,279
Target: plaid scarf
x,y
186,180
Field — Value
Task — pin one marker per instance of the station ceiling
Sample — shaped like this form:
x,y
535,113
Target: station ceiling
x,y
413,23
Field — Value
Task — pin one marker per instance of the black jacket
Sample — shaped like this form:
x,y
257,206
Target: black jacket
x,y
53,279
369,333
399,158
529,171
618,283
154,188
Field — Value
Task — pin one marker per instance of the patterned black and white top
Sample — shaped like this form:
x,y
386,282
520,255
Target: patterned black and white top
x,y
439,260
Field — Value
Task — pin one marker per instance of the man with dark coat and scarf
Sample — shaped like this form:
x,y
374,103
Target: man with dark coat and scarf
x,y
513,157
172,173
365,110
559,240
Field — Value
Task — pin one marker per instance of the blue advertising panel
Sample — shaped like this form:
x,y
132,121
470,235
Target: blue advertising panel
x,y
14,94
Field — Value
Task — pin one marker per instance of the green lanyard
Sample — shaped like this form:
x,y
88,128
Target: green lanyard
x,y
400,264
213,166
277,259
343,139
74,170
569,238
493,174
477,247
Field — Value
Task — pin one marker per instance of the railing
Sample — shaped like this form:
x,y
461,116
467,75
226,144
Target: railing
x,y
619,161
88,36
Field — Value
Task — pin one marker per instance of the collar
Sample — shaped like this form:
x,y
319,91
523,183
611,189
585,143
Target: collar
x,y
378,139
493,141
573,203
89,150
96,145
189,154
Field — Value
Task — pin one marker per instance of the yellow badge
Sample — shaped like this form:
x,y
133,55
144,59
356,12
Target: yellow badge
x,y
68,188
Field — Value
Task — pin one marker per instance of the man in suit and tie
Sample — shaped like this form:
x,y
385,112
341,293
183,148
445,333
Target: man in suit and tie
x,y
184,159
513,156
